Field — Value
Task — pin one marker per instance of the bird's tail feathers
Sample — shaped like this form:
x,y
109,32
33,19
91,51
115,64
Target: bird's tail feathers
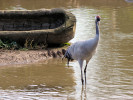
x,y
68,56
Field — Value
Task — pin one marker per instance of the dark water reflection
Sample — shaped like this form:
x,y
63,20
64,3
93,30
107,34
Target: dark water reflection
x,y
109,73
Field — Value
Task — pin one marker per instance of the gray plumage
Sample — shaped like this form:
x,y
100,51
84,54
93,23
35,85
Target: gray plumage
x,y
83,50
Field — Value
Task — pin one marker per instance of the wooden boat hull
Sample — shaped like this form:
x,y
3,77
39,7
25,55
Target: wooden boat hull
x,y
55,26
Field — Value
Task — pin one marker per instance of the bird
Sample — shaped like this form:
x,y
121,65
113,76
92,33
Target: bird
x,y
84,50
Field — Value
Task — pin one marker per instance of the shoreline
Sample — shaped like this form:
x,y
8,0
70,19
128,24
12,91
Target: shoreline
x,y
14,57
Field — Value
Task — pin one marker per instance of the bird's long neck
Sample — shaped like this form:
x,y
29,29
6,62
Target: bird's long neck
x,y
97,28
97,31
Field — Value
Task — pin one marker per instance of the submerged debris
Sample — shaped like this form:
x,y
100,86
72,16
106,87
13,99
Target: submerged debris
x,y
59,53
49,53
63,51
54,54
8,57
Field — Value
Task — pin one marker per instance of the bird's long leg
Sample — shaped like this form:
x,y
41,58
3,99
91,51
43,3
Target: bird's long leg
x,y
68,62
85,70
81,65
85,73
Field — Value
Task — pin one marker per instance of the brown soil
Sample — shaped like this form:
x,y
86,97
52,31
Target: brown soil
x,y
8,57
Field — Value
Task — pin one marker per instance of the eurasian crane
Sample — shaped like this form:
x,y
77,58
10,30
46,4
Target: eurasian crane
x,y
84,50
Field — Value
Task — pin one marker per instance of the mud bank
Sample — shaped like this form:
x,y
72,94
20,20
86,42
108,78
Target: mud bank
x,y
8,57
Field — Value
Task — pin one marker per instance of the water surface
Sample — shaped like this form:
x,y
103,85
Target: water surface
x,y
110,71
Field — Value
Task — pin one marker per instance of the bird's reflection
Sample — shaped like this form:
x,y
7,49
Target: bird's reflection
x,y
83,93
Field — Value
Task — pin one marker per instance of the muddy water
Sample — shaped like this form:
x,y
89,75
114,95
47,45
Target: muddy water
x,y
109,73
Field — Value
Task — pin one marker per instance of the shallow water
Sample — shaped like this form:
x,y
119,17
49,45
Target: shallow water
x,y
110,71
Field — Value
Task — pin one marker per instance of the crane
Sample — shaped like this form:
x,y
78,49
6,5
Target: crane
x,y
84,50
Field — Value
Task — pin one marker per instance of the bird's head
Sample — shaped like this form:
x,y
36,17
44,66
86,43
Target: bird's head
x,y
97,18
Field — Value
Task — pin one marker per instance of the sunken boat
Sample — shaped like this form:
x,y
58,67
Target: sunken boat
x,y
51,26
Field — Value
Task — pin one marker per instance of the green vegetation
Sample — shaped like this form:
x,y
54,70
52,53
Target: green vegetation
x,y
65,44
8,45
68,44
28,45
